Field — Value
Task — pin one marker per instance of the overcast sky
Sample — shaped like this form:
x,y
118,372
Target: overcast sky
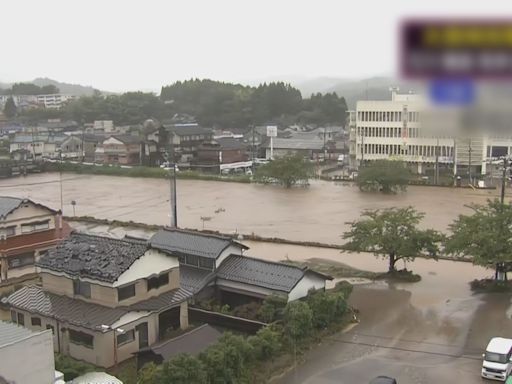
x,y
125,45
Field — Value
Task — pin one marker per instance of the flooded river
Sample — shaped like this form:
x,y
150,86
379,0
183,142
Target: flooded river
x,y
317,213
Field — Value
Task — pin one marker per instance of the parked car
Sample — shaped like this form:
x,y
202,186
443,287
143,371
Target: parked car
x,y
497,359
383,380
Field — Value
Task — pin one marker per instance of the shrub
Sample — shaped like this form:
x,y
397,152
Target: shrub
x,y
298,320
326,307
184,369
272,308
72,368
266,343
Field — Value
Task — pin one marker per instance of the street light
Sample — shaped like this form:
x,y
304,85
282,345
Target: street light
x,y
115,331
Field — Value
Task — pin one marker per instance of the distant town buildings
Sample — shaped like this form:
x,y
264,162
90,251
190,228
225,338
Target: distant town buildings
x,y
51,101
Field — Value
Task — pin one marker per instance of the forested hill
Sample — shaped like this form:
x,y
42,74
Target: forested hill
x,y
235,105
212,103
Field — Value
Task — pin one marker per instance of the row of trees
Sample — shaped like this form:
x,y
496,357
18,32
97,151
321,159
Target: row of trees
x,y
212,103
393,233
235,358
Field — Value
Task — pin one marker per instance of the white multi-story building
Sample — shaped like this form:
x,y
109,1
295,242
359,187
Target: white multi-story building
x,y
54,101
403,129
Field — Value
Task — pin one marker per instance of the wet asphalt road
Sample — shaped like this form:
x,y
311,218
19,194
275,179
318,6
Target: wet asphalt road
x,y
439,343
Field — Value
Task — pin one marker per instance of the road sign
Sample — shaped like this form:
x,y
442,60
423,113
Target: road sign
x,y
271,131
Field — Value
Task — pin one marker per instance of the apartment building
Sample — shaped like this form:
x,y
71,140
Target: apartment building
x,y
27,231
103,298
51,101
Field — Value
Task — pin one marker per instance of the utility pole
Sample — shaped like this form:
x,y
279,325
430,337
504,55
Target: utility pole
x,y
469,166
437,163
253,149
325,149
172,182
503,179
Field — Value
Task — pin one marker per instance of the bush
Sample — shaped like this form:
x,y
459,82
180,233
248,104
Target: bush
x,y
490,285
247,311
326,307
184,369
400,275
266,343
272,308
72,368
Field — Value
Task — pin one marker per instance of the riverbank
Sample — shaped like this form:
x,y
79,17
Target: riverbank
x,y
238,236
138,171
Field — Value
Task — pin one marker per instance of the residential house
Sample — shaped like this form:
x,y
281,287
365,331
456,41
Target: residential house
x,y
33,348
41,145
105,126
81,146
121,149
103,298
256,137
27,231
226,150
311,148
212,265
184,140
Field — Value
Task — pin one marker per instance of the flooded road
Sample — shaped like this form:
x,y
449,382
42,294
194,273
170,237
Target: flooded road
x,y
317,213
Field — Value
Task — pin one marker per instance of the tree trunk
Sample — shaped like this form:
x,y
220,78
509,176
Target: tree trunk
x,y
500,272
392,261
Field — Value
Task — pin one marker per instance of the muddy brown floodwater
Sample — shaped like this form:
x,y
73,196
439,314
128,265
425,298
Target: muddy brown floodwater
x,y
317,213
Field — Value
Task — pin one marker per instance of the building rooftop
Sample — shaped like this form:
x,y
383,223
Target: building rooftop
x,y
296,144
194,279
33,299
262,273
12,333
9,204
127,139
188,130
182,242
95,257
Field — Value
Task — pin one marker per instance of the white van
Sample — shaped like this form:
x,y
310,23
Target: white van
x,y
497,356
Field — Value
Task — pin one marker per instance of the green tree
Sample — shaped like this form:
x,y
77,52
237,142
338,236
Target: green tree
x,y
486,235
393,234
150,374
184,369
298,320
388,176
287,171
10,108
266,343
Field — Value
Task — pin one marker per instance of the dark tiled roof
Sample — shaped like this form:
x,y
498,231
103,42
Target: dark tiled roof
x,y
190,130
230,143
163,301
192,342
194,279
95,257
262,273
34,300
183,242
296,144
128,139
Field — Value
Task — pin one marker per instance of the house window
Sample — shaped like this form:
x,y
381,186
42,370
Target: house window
x,y
157,282
81,338
206,263
126,337
126,292
36,321
35,226
21,260
10,231
13,317
192,260
21,319
48,326
81,288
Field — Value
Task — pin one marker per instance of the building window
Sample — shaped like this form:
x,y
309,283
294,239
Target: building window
x,y
125,292
48,326
126,337
192,260
206,263
81,288
10,231
36,321
21,260
21,319
35,226
157,282
81,338
13,317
